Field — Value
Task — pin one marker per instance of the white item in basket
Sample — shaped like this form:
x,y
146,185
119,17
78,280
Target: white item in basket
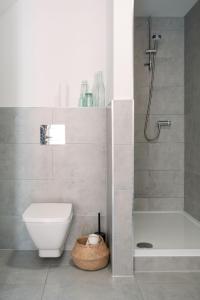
x,y
93,239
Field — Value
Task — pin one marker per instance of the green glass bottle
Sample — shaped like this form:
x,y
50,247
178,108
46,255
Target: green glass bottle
x,y
89,99
84,90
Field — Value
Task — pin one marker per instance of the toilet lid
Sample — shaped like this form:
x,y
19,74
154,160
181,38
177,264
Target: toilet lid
x,y
48,212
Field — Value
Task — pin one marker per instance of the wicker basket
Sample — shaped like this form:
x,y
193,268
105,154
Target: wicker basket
x,y
90,257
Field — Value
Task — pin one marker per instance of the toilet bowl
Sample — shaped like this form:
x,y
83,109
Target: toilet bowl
x,y
48,225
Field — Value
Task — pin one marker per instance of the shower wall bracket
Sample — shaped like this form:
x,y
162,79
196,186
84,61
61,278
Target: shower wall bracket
x,y
151,51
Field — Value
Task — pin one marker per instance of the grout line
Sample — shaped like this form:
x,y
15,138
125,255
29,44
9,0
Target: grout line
x,y
43,290
140,288
57,146
159,170
159,212
169,170
172,271
157,143
54,107
156,197
141,141
161,115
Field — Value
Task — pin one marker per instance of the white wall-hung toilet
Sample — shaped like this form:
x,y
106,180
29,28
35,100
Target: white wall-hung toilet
x,y
48,225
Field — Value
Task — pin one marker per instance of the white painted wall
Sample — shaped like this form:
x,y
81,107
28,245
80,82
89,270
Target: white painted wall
x,y
123,49
109,52
5,4
47,48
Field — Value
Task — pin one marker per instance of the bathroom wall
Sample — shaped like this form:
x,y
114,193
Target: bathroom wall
x,y
123,49
109,50
109,176
48,48
120,138
159,166
30,172
192,110
122,187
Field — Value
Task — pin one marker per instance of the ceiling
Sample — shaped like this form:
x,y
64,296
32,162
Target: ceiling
x,y
163,8
5,4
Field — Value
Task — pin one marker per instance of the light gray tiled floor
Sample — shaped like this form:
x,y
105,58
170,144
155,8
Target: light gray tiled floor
x,y
24,276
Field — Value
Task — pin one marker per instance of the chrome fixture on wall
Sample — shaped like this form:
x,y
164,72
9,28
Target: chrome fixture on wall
x,y
165,123
151,52
53,134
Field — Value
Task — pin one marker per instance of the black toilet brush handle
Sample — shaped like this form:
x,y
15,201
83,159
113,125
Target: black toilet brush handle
x,y
99,223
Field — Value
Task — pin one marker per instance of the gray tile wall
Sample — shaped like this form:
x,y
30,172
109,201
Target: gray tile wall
x,y
122,240
192,112
159,167
109,177
29,172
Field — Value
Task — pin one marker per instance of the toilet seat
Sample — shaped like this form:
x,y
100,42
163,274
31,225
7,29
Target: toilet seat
x,y
48,213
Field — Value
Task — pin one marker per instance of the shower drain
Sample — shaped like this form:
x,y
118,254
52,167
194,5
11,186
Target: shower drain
x,y
144,245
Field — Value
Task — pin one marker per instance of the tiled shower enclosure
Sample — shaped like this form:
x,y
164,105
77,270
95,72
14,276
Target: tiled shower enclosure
x,y
159,167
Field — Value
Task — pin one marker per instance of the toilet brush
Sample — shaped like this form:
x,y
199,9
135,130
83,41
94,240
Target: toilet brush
x,y
102,234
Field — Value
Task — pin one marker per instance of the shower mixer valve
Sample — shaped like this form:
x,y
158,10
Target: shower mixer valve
x,y
165,123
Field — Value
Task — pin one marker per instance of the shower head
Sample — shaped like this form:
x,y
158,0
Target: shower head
x,y
156,37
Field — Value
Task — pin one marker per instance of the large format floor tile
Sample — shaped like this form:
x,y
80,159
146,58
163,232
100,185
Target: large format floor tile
x,y
68,282
25,276
21,292
22,268
68,274
167,277
170,291
90,285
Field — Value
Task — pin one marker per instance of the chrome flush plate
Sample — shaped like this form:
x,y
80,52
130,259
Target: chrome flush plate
x,y
53,134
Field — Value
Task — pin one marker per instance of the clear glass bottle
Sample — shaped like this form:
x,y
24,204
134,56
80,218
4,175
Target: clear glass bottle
x,y
99,90
95,91
89,99
84,90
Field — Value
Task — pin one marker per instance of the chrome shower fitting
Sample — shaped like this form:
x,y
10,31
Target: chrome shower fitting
x,y
151,52
156,37
164,123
